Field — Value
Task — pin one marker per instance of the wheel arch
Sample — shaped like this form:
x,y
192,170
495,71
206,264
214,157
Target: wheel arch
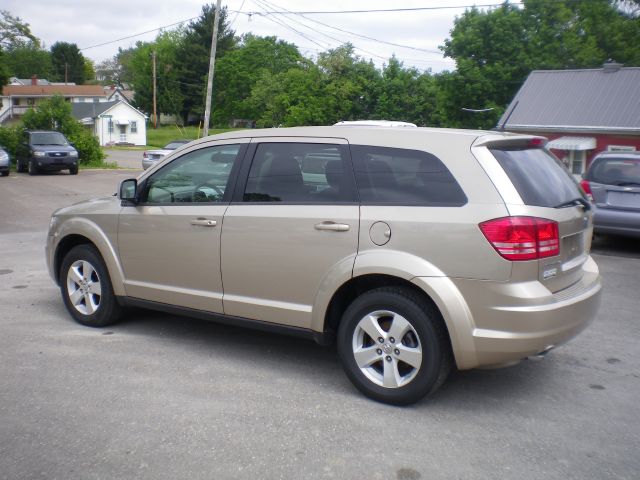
x,y
437,291
87,233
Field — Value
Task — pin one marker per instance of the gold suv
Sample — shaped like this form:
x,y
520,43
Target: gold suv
x,y
415,249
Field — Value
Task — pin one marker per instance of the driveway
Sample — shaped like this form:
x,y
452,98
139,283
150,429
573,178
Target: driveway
x,y
125,158
164,397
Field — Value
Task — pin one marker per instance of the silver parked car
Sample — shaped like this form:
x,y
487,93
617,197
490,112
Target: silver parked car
x,y
613,183
150,157
5,163
415,249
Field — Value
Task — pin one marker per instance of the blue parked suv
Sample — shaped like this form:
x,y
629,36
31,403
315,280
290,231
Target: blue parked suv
x,y
46,150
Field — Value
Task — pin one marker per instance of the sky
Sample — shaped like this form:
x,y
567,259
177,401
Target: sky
x,y
417,33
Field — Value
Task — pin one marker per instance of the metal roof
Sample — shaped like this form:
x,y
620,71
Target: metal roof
x,y
595,100
82,110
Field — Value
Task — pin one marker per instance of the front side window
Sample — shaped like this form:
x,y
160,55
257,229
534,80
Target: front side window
x,y
299,173
201,176
398,176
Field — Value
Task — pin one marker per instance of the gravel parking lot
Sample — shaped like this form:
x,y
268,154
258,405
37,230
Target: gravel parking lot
x,y
166,397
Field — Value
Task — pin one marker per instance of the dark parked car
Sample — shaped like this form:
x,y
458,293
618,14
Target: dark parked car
x,y
613,182
46,150
4,163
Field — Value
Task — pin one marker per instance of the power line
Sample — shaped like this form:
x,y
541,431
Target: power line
x,y
138,34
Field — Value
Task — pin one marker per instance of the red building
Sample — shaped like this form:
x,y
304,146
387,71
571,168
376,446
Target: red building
x,y
581,112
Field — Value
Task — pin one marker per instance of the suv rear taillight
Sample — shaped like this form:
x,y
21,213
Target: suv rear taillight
x,y
586,186
523,238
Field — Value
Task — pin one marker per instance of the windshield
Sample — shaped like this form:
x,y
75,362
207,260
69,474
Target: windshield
x,y
616,171
48,138
539,177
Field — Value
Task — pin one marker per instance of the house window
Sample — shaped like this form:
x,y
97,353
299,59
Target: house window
x,y
110,126
31,101
134,126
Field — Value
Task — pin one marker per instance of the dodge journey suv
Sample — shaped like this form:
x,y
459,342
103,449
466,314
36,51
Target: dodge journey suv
x,y
416,250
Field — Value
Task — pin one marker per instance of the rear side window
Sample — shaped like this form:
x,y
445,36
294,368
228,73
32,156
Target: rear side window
x,y
398,176
539,177
616,171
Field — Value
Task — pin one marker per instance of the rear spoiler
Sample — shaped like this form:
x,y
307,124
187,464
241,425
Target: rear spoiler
x,y
511,141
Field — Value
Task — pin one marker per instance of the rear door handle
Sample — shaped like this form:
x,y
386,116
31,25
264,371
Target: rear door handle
x,y
332,226
203,222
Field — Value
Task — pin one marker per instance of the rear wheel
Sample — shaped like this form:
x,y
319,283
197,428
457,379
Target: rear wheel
x,y
393,346
86,288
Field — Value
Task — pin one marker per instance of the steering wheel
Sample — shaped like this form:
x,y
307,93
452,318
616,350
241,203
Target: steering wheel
x,y
201,195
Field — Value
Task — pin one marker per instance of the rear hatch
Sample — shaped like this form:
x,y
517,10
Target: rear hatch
x,y
614,183
548,192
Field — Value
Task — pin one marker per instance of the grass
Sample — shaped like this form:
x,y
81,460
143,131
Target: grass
x,y
162,135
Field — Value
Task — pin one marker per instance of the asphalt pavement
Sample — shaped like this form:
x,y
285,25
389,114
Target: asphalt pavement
x,y
165,397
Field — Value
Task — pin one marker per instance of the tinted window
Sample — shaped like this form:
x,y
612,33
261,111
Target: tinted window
x,y
397,176
196,177
299,172
616,171
539,177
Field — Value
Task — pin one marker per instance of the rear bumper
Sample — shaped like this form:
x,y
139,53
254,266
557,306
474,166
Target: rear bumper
x,y
616,222
511,321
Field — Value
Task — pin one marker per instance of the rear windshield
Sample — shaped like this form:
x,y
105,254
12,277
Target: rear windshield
x,y
616,171
539,177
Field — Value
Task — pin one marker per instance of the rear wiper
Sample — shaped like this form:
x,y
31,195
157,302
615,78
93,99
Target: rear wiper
x,y
574,202
627,184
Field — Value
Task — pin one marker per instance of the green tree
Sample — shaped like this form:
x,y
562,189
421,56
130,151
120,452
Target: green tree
x,y
406,95
24,60
496,49
13,31
169,87
193,57
351,84
55,114
239,69
290,98
68,63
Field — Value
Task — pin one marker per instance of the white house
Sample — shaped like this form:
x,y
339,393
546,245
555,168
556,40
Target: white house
x,y
113,122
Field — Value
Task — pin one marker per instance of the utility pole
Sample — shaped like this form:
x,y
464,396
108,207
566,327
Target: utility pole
x,y
155,115
212,63
66,68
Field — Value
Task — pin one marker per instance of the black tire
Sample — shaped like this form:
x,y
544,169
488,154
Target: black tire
x,y
32,168
92,309
4,174
425,340
73,170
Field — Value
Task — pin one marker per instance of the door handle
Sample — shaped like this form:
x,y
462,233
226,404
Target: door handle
x,y
332,226
203,222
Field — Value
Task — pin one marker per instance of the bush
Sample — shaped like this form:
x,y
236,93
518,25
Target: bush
x,y
55,114
9,139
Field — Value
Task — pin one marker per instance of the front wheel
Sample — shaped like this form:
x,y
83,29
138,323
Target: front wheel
x,y
86,288
73,170
32,168
393,346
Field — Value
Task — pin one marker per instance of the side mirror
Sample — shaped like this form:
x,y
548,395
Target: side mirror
x,y
128,192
